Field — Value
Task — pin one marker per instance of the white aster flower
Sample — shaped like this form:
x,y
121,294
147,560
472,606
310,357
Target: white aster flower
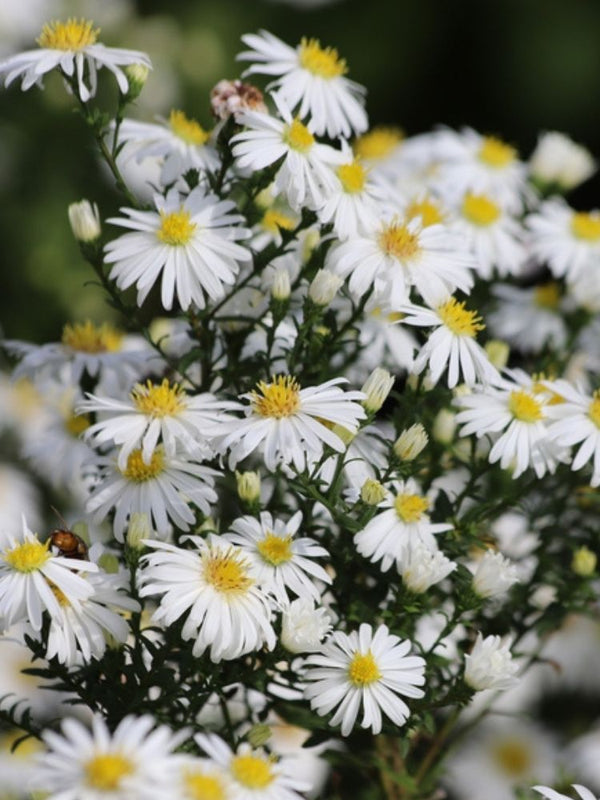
x,y
490,665
551,794
367,670
383,344
282,562
401,525
452,345
135,760
72,47
215,585
424,567
311,77
287,421
163,489
529,318
188,242
199,779
367,454
303,626
353,205
31,575
304,177
493,575
558,160
252,774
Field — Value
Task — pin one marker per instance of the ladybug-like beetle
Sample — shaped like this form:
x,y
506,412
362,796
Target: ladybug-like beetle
x,y
68,544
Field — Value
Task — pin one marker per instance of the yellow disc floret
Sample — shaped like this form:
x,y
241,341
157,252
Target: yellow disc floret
x,y
321,61
280,398
107,770
586,225
159,400
27,557
524,407
74,34
227,572
594,409
176,228
363,670
496,153
397,241
273,221
187,129
547,295
76,424
352,176
89,338
461,322
298,136
513,758
430,213
275,550
203,786
138,471
377,143
480,209
410,507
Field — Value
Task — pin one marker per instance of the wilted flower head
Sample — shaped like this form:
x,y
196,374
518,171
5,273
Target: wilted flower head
x,y
231,97
303,627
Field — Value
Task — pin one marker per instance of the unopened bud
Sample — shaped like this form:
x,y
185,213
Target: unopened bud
x,y
248,486
497,352
137,75
259,734
281,288
411,442
372,492
324,287
559,160
109,563
139,529
584,562
377,387
444,426
85,221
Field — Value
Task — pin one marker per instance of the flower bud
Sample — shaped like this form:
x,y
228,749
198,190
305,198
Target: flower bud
x,y
248,486
324,287
411,442
138,530
109,563
281,288
424,567
303,626
584,562
543,596
137,75
444,426
557,159
377,387
85,221
372,492
493,575
497,352
490,665
258,735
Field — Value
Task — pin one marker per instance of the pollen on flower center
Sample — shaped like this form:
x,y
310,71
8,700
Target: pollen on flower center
x,y
158,400
106,771
594,409
363,670
480,209
27,557
273,221
352,177
76,424
298,136
227,572
377,143
410,507
586,226
496,153
70,35
252,771
274,549
455,316
137,471
513,758
187,129
524,407
201,786
280,398
89,338
176,228
547,295
324,62
397,241
426,209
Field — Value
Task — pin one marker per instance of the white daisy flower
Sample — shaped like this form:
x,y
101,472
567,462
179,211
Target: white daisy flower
x,y
72,47
199,779
303,627
164,489
189,242
380,149
452,345
395,256
551,794
252,774
367,453
31,575
529,319
558,160
424,567
311,77
153,413
282,563
383,343
136,760
367,670
287,422
490,665
215,584
402,524
576,422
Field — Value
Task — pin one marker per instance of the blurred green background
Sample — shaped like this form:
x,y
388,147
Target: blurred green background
x,y
509,67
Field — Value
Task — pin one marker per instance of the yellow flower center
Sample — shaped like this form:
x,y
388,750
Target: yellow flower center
x,y
363,670
27,557
455,316
586,226
76,424
513,758
480,209
298,136
159,400
203,786
188,129
253,772
397,241
377,143
275,550
106,771
89,338
274,221
70,35
496,153
139,472
352,176
176,228
524,407
226,572
594,409
429,212
324,62
280,398
547,295
410,507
